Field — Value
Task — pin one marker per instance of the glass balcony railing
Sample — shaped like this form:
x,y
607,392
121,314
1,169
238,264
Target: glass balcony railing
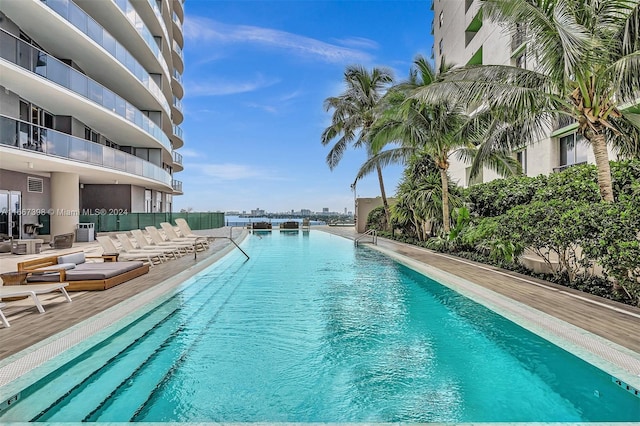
x,y
177,130
177,157
177,103
176,19
46,66
177,185
137,22
158,14
25,136
178,50
177,75
88,26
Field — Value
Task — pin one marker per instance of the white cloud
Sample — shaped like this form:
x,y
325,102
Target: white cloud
x,y
358,42
203,29
267,108
189,153
221,87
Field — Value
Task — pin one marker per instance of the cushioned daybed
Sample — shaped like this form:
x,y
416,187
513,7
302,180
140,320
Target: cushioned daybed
x,y
81,275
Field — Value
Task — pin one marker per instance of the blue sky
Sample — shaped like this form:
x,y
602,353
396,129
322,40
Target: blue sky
x,y
256,75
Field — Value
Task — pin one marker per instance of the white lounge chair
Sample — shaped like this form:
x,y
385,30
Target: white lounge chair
x,y
199,243
31,290
143,243
157,238
127,247
185,230
3,319
108,246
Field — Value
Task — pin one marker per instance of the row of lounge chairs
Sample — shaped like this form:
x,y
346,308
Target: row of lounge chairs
x,y
76,272
153,247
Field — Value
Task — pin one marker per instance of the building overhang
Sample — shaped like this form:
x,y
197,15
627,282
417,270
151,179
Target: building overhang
x,y
33,163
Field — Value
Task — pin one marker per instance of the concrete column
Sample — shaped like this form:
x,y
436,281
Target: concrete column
x,y
65,202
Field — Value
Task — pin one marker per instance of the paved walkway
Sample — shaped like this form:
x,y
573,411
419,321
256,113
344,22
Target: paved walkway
x,y
596,329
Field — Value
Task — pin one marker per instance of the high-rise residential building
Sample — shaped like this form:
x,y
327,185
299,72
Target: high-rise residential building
x,y
90,107
463,37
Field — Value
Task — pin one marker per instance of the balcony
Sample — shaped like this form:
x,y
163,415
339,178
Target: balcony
x,y
473,27
177,161
28,138
88,26
176,84
177,138
177,186
176,111
178,57
136,21
36,61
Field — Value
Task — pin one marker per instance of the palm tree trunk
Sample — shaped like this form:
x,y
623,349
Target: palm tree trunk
x,y
383,194
445,201
599,146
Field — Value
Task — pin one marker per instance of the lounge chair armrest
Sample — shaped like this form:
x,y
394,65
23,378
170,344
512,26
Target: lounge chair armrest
x,y
62,272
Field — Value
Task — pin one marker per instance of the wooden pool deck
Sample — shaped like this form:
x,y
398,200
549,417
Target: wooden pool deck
x,y
611,321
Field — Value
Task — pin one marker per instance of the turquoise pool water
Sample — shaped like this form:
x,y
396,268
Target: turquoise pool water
x,y
312,329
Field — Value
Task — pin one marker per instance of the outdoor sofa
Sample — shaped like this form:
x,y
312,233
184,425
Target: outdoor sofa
x,y
80,274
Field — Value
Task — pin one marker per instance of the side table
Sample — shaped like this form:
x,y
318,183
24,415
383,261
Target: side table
x,y
14,278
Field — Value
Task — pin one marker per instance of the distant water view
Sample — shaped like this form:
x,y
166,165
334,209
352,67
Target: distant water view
x,y
242,221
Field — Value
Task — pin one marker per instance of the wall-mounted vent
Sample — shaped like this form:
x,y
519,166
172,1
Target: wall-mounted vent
x,y
35,184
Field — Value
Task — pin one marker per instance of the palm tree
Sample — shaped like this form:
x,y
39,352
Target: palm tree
x,y
354,112
438,131
587,60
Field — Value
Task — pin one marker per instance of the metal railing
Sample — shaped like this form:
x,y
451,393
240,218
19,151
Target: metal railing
x,y
88,26
46,66
136,21
369,233
25,136
177,157
176,185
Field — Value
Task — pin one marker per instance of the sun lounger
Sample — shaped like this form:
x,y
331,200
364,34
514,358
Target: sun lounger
x,y
3,319
143,243
33,291
185,230
108,246
127,247
156,237
171,234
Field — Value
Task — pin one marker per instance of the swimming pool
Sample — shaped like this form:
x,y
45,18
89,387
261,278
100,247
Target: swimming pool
x,y
312,329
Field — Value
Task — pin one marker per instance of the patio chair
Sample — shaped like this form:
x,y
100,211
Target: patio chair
x,y
127,247
108,246
157,238
186,231
143,243
62,241
171,234
5,243
31,290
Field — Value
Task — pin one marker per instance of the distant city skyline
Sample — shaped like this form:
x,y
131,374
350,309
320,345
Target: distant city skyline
x,y
256,75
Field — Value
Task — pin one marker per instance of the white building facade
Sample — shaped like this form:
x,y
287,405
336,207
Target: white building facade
x,y
90,107
463,37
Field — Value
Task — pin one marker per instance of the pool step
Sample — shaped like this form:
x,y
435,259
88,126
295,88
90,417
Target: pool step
x,y
71,376
135,376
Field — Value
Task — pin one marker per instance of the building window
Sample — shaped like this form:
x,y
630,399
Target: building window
x,y
148,206
90,135
440,46
573,150
441,19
